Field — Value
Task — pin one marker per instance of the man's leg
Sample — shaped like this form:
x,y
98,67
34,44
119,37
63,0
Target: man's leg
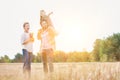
x,y
29,64
24,59
25,65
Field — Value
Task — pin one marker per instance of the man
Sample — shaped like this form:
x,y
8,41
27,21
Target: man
x,y
47,36
27,43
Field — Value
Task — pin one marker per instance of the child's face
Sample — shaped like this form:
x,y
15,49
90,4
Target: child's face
x,y
42,13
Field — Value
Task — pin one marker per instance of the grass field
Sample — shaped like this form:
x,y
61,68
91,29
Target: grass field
x,y
64,71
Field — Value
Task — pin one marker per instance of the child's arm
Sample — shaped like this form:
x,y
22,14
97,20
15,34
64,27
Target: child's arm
x,y
50,14
49,20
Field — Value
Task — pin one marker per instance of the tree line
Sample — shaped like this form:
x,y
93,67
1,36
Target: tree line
x,y
107,49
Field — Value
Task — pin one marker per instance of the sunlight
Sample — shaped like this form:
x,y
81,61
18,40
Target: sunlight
x,y
70,38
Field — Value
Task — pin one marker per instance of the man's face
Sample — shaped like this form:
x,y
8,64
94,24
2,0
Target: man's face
x,y
26,28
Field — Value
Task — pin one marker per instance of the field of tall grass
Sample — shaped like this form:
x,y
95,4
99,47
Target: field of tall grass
x,y
64,71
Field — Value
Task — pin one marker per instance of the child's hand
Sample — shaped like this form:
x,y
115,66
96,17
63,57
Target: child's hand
x,y
50,13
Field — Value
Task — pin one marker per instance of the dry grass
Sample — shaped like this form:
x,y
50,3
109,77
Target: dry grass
x,y
64,71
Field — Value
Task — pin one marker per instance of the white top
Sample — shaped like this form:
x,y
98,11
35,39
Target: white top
x,y
47,42
28,46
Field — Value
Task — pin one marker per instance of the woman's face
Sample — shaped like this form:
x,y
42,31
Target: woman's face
x,y
44,25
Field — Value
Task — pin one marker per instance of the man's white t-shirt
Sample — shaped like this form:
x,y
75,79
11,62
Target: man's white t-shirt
x,y
28,46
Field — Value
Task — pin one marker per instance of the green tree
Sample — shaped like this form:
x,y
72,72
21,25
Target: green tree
x,y
60,56
38,57
5,59
113,47
18,58
96,50
107,49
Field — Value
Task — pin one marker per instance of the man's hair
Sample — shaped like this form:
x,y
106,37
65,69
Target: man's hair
x,y
25,24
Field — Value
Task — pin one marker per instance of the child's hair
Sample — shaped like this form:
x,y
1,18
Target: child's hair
x,y
43,17
42,11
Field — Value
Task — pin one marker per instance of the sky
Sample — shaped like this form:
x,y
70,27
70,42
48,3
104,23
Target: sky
x,y
78,22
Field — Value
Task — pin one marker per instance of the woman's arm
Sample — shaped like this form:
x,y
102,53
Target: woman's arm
x,y
52,31
39,34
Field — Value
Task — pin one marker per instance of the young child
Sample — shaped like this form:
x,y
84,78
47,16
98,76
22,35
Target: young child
x,y
45,17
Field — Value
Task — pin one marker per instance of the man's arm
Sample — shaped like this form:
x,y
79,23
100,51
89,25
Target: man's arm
x,y
23,40
26,41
